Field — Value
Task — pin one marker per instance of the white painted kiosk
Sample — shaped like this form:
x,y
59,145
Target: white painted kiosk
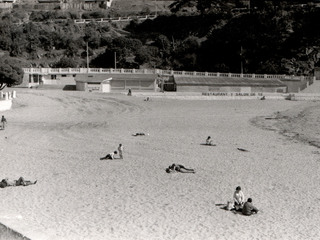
x,y
106,86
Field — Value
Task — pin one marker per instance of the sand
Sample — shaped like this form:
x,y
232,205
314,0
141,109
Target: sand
x,y
58,137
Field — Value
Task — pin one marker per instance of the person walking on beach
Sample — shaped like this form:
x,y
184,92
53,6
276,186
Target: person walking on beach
x,y
20,182
248,209
120,150
109,156
238,198
3,122
179,168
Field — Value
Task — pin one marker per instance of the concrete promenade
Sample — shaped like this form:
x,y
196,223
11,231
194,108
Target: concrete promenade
x,y
160,72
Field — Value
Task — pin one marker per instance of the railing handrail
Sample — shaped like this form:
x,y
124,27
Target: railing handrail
x,y
159,72
115,19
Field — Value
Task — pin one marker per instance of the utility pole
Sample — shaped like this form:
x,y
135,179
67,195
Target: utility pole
x,y
87,58
115,60
241,63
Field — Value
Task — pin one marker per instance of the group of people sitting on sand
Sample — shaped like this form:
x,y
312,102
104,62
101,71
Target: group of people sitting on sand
x,y
240,205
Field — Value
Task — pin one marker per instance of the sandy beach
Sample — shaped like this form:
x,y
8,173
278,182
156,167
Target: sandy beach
x,y
58,137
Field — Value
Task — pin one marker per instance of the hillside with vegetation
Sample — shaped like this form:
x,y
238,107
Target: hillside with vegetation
x,y
215,36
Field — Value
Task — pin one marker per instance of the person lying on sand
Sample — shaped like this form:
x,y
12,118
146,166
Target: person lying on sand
x,y
20,182
179,168
109,156
140,134
248,209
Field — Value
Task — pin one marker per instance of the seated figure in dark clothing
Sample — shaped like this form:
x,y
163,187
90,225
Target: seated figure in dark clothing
x,y
248,209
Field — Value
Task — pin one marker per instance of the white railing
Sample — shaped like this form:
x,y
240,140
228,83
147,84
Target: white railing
x,y
45,71
8,95
117,19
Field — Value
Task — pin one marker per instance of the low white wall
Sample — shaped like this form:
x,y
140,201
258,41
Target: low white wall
x,y
6,100
5,105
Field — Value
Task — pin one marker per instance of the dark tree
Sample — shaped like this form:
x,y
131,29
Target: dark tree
x,y
65,62
203,6
11,73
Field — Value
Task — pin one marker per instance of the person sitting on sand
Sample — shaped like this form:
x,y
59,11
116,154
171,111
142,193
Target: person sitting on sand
x,y
248,209
20,182
238,198
209,141
109,156
179,168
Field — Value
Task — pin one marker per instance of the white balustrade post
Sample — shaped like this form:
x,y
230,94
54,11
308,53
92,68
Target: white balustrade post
x,y
218,74
1,95
14,94
6,96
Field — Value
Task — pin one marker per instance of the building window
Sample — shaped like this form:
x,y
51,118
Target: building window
x,y
30,78
63,75
53,77
74,75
